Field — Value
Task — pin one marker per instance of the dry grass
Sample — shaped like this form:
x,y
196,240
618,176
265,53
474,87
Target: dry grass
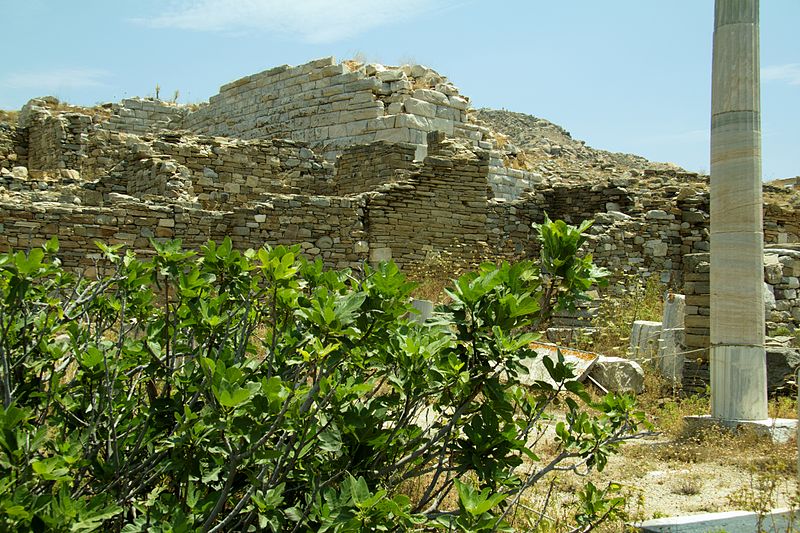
x,y
415,488
688,485
10,117
436,273
63,107
638,301
784,406
550,506
353,64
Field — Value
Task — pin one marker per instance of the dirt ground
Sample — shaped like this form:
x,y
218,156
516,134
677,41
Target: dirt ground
x,y
734,473
673,473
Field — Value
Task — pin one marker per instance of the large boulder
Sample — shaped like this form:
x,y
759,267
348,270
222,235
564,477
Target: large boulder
x,y
616,374
782,363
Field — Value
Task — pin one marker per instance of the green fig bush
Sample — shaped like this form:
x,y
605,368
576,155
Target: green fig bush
x,y
219,390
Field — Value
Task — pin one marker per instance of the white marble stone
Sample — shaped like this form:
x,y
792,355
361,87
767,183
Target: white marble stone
x,y
738,359
738,382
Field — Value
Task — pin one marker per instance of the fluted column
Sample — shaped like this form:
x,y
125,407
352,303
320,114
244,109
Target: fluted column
x,y
738,360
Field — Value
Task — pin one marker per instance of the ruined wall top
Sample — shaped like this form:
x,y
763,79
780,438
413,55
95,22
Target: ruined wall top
x,y
333,105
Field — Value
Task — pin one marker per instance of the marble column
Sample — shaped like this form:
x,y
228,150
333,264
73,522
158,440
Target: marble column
x,y
738,360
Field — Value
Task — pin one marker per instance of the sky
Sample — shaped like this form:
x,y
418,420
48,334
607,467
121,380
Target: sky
x,y
623,75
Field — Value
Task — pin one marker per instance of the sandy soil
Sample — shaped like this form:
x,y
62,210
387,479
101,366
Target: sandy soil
x,y
663,476
686,478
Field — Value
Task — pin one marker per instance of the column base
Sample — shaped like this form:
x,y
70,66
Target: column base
x,y
738,382
779,430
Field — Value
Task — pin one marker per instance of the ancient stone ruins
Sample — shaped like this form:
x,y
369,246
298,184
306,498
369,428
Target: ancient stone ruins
x,y
366,163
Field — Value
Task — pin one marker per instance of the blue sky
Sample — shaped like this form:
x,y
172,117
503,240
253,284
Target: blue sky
x,y
623,75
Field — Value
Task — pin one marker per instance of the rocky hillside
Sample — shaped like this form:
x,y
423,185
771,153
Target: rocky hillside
x,y
534,134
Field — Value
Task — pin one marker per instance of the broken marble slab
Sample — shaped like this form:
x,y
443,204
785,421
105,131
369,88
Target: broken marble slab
x,y
581,361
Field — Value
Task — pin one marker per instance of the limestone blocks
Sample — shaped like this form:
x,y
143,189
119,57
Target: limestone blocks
x,y
144,115
332,106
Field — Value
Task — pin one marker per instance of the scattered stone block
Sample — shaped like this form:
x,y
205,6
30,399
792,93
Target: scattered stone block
x,y
670,358
581,361
617,374
424,308
643,344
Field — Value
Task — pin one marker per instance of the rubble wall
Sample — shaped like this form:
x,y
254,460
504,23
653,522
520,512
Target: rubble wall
x,y
366,167
639,235
13,147
626,237
440,210
325,227
221,171
57,141
781,224
235,172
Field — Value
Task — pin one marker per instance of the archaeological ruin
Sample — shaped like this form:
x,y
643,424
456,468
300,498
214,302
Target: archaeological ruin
x,y
358,163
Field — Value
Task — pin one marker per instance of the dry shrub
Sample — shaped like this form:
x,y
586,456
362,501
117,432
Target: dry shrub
x,y
9,117
768,483
634,301
432,276
353,64
688,485
783,406
438,270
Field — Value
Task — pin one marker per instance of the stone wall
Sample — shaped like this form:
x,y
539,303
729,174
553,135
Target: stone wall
x,y
782,305
781,224
236,172
141,116
108,152
56,141
696,288
510,183
509,232
332,106
640,243
13,147
366,167
157,192
577,202
328,228
221,171
633,234
440,210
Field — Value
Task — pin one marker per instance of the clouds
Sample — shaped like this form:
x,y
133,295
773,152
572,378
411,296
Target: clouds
x,y
55,79
789,73
314,21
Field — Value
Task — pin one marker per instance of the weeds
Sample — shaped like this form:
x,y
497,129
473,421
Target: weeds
x,y
688,485
438,270
763,494
783,406
432,276
10,117
637,301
